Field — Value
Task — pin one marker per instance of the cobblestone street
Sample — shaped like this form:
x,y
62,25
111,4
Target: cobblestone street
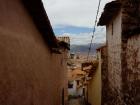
x,y
78,101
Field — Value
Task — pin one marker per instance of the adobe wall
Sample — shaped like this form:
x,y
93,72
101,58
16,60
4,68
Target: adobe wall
x,y
114,60
64,71
29,73
131,71
131,52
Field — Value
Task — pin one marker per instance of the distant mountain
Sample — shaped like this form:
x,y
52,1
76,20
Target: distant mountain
x,y
84,48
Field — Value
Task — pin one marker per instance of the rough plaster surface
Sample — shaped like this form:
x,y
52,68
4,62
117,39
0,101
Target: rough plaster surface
x,y
123,47
114,59
29,73
123,65
131,71
94,86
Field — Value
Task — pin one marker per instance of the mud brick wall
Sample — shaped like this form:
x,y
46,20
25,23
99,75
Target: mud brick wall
x,y
131,52
131,70
132,91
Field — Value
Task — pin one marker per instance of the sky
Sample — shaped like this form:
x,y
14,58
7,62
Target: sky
x,y
75,18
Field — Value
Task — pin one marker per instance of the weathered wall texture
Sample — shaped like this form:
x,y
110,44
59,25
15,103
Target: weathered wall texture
x,y
123,47
104,77
131,71
29,73
131,52
114,59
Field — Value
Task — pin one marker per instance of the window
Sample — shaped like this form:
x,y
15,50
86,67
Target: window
x,y
112,28
70,85
78,82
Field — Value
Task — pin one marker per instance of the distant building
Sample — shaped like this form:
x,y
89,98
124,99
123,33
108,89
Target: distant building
x,y
72,56
92,84
96,78
72,89
32,67
75,84
64,38
122,20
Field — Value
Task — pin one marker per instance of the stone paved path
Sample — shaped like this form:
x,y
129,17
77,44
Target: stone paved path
x,y
77,101
74,102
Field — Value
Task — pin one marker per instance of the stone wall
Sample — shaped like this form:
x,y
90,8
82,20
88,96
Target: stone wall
x,y
29,73
123,50
131,52
131,70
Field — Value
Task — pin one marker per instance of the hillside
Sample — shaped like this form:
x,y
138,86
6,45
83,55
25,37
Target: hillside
x,y
83,49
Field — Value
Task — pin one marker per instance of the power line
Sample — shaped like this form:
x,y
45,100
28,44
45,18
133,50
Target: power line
x,y
94,29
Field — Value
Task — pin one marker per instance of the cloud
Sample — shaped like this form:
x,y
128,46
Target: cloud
x,y
71,29
85,38
72,12
75,18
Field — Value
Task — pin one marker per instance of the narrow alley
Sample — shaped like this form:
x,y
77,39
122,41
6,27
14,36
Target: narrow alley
x,y
69,52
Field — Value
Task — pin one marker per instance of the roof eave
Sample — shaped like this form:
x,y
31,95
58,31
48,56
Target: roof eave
x,y
37,12
110,10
